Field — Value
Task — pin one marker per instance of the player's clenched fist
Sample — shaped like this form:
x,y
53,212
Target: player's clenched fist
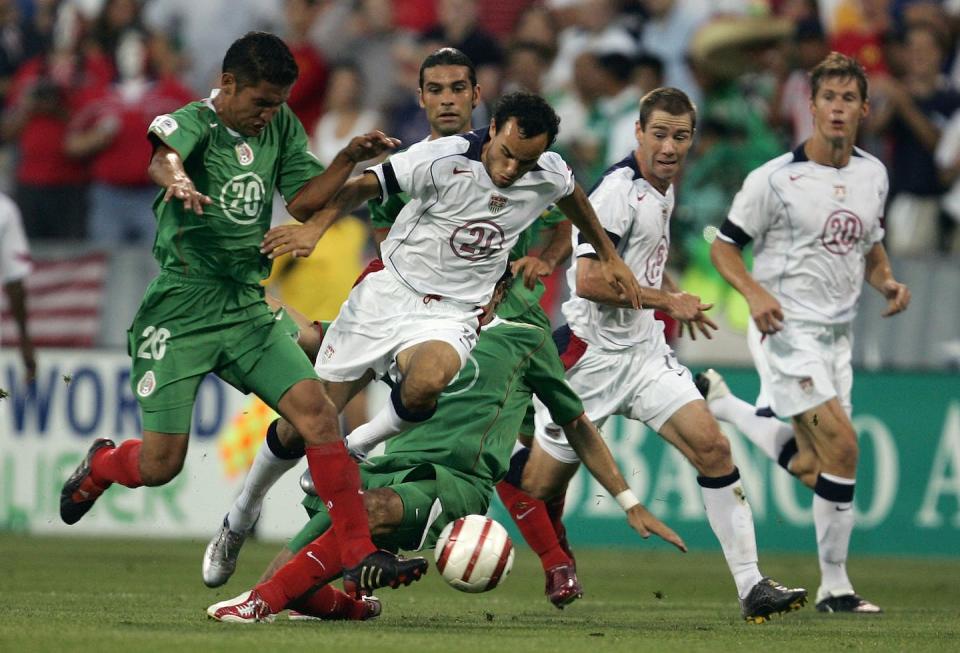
x,y
369,145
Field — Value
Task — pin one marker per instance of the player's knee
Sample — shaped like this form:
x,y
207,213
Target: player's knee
x,y
316,421
381,508
420,393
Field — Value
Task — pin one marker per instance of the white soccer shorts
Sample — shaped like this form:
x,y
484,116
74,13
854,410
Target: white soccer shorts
x,y
803,365
383,317
646,384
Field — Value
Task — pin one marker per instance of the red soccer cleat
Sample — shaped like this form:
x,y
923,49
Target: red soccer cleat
x,y
248,608
563,586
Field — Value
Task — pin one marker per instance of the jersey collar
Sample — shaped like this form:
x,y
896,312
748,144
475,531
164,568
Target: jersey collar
x,y
214,92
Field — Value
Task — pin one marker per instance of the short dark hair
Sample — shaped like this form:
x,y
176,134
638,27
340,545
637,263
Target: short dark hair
x,y
839,66
669,99
260,57
449,57
534,115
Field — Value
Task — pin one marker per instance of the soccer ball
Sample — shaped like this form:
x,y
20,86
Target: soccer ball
x,y
474,553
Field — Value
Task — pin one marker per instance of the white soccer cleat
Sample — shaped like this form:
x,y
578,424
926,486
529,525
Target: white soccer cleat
x,y
220,557
248,608
711,385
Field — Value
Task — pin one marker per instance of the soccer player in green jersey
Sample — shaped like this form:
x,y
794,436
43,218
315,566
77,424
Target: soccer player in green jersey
x,y
439,471
218,162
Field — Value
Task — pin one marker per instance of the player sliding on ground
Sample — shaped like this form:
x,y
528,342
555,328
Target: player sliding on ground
x,y
437,472
218,162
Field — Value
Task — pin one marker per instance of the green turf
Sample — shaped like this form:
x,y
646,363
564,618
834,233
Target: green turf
x,y
135,595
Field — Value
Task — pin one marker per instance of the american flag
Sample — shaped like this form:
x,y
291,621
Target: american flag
x,y
64,301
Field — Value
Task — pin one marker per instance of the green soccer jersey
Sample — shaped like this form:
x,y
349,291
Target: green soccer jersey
x,y
239,173
479,414
520,299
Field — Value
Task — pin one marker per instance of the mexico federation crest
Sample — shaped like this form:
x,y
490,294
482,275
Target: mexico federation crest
x,y
497,203
244,153
148,383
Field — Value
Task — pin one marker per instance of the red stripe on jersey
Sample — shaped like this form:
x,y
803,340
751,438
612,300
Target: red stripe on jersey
x,y
476,551
501,564
575,350
373,266
448,547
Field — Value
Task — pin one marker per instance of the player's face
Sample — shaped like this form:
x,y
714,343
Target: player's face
x,y
837,109
249,109
663,146
448,98
507,156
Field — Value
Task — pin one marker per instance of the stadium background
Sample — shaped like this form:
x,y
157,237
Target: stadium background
x,y
734,56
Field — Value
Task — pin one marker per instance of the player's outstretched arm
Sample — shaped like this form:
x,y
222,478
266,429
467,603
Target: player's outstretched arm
x,y
17,300
317,192
557,250
166,170
577,207
593,452
879,274
300,239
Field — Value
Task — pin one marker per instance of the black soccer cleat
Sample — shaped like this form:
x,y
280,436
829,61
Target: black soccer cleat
x,y
768,597
79,492
853,603
711,384
382,569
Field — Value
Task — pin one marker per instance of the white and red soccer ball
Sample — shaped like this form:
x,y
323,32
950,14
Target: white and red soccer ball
x,y
474,553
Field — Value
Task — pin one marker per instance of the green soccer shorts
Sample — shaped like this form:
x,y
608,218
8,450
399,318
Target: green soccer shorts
x,y
432,496
187,327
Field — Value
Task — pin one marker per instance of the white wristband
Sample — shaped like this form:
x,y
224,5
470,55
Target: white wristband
x,y
627,499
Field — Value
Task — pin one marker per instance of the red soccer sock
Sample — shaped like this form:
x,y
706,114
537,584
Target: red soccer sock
x,y
120,465
555,510
330,603
531,517
316,564
336,478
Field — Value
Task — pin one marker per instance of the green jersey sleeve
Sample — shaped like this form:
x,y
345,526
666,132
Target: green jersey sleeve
x,y
182,131
298,165
551,217
383,215
546,378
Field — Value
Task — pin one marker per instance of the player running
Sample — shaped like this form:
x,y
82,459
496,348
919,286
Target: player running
x,y
439,471
220,159
619,363
816,215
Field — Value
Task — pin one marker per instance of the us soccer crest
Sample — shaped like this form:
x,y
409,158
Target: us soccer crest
x,y
497,203
244,153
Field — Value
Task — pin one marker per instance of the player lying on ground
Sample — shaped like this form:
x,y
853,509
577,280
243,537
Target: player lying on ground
x,y
218,162
437,472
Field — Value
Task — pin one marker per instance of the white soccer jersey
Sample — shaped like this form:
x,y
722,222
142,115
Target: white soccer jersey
x,y
636,216
14,252
454,236
813,226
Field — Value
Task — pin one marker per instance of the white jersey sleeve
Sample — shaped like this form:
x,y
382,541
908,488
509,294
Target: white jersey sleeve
x,y
611,200
755,206
14,251
553,165
411,170
877,231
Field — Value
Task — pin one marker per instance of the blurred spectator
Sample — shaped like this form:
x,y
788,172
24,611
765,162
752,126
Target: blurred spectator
x,y
114,20
51,187
202,30
415,15
109,131
457,27
912,111
14,267
597,28
344,116
947,157
405,117
499,17
537,25
857,28
526,65
21,38
306,96
576,142
647,72
667,32
617,109
371,49
790,107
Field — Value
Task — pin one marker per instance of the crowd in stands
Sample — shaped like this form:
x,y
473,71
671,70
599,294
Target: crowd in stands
x,y
81,80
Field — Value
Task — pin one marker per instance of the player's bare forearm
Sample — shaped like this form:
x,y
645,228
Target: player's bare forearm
x,y
586,441
167,171
559,247
592,285
877,270
728,260
17,300
317,192
578,209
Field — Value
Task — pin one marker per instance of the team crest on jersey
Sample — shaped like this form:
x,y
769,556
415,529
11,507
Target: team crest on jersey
x,y
840,192
497,203
164,125
244,153
806,384
148,383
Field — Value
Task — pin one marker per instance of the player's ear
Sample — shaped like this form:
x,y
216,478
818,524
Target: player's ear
x,y
228,83
493,127
420,98
476,96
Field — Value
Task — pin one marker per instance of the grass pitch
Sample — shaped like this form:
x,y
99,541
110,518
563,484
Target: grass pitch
x,y
136,595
